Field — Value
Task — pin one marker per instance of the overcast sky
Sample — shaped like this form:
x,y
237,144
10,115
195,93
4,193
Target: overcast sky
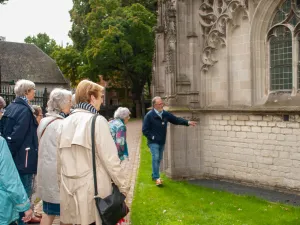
x,y
21,18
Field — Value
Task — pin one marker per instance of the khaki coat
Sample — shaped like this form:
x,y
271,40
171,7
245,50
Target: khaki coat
x,y
75,168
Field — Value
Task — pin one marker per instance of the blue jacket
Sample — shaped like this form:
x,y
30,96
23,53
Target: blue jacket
x,y
155,128
19,127
13,197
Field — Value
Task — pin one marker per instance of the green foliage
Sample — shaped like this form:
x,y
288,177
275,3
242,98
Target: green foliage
x,y
148,4
79,31
182,203
69,60
43,41
124,44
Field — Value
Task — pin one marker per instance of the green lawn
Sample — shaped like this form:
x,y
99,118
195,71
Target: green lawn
x,y
183,203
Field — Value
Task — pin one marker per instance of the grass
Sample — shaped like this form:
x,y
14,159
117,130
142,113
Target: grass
x,y
183,203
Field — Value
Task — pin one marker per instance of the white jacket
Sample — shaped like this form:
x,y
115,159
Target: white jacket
x,y
75,167
47,182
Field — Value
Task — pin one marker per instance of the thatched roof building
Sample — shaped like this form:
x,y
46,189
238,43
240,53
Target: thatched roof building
x,y
27,61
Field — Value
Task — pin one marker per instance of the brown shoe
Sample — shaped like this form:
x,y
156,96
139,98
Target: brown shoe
x,y
158,182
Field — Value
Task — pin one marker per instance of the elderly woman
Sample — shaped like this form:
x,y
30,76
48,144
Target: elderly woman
x,y
118,131
38,113
75,158
2,106
19,129
12,193
59,104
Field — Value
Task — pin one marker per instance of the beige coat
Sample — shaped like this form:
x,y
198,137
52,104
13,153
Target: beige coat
x,y
76,171
47,186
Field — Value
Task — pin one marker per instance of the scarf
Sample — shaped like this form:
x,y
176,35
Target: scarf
x,y
86,106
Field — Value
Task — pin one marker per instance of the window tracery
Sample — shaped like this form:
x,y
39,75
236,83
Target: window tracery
x,y
283,37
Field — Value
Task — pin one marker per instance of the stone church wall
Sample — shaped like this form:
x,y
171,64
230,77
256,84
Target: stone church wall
x,y
212,64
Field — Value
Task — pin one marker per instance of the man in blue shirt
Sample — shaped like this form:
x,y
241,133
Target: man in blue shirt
x,y
155,129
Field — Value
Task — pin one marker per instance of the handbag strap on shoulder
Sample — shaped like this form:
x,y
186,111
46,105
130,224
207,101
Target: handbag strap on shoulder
x,y
94,154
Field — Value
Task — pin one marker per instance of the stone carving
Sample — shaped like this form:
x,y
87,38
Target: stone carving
x,y
214,16
170,32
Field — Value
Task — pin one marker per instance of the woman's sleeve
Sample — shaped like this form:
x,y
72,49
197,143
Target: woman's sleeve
x,y
120,140
107,151
10,180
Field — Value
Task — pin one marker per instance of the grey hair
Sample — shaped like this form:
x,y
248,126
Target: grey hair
x,y
58,99
23,86
37,109
73,101
2,103
154,100
122,113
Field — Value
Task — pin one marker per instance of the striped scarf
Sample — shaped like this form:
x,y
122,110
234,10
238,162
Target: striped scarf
x,y
86,106
63,114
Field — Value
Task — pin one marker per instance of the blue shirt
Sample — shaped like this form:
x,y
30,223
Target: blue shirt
x,y
159,113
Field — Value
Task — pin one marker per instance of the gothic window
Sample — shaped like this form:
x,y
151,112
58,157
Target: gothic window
x,y
283,38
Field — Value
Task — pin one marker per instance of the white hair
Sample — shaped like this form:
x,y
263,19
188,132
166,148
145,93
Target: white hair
x,y
23,86
122,113
73,101
58,99
154,100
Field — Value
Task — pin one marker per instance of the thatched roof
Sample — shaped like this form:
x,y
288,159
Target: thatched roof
x,y
26,61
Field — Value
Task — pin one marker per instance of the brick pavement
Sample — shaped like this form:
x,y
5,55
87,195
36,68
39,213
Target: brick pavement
x,y
134,133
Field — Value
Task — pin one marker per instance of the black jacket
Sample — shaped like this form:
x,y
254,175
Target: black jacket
x,y
155,128
19,128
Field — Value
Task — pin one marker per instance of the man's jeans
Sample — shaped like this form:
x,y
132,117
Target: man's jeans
x,y
27,183
157,155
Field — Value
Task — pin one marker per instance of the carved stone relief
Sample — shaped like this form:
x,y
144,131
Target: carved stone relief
x,y
214,17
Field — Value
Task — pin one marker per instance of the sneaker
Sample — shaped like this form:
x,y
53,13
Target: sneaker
x,y
158,182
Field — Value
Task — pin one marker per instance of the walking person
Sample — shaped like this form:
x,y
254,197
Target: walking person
x,y
75,158
118,131
155,129
13,197
19,127
58,106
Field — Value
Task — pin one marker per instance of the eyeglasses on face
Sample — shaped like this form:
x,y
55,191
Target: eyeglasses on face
x,y
160,103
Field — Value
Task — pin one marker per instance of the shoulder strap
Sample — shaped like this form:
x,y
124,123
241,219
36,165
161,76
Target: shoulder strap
x,y
94,154
47,126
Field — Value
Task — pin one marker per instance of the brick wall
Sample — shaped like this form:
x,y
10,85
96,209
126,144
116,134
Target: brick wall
x,y
261,149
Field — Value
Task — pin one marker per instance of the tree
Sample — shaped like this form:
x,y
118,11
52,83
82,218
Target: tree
x,y
69,60
3,1
125,45
43,41
148,4
79,33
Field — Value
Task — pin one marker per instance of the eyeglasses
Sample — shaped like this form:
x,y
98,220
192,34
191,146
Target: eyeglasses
x,y
160,104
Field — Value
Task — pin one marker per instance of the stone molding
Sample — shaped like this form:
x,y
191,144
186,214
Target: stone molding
x,y
214,17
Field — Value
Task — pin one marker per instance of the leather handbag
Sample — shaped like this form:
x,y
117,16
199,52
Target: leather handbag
x,y
113,207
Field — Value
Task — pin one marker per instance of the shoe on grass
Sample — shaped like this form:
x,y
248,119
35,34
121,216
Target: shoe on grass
x,y
158,182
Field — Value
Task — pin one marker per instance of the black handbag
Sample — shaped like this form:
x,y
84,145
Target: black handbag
x,y
112,208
